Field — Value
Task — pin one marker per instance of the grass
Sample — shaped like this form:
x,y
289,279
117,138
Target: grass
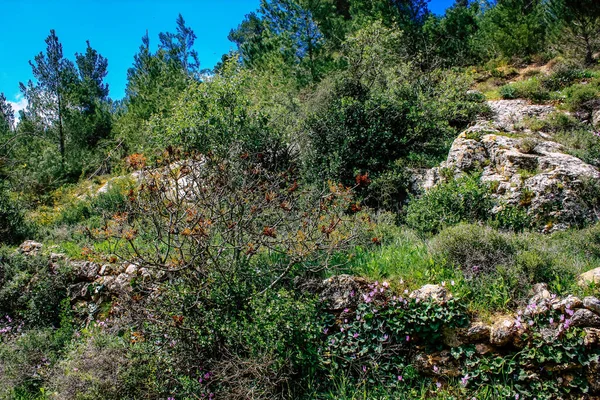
x,y
492,271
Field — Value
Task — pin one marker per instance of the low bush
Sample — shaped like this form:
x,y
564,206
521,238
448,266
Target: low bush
x,y
582,97
31,288
13,226
462,199
565,74
532,89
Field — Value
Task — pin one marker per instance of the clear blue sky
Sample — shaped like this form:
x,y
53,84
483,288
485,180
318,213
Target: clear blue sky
x,y
114,28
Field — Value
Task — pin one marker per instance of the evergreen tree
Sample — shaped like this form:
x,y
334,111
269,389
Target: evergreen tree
x,y
48,97
7,116
178,47
513,29
579,24
92,119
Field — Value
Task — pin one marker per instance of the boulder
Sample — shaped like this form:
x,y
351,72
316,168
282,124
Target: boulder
x,y
30,248
339,292
86,270
590,277
592,304
503,331
585,318
436,293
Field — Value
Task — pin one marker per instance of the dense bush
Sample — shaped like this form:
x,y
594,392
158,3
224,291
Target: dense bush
x,y
31,288
380,110
532,89
12,222
462,199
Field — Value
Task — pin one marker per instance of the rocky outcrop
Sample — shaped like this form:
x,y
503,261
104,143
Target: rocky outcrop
x,y
523,169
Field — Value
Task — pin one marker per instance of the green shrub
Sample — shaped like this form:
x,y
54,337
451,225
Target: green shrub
x,y
13,227
565,74
531,89
579,97
462,199
474,248
25,359
369,116
31,289
582,143
91,369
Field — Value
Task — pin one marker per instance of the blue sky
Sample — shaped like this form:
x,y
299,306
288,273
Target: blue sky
x,y
114,28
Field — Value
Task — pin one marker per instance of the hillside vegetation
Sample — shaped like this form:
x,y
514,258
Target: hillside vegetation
x,y
364,201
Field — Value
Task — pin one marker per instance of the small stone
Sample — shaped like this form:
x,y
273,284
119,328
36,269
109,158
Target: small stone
x,y
584,318
441,363
592,336
131,269
596,119
105,270
589,277
55,257
592,304
482,349
540,292
503,331
435,293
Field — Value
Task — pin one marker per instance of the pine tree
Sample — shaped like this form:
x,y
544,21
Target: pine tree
x,y
48,97
7,116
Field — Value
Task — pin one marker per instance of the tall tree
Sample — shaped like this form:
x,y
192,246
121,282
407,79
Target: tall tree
x,y
579,24
179,46
513,29
48,96
7,116
93,120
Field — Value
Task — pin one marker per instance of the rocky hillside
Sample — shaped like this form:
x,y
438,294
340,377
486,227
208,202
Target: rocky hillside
x,y
523,168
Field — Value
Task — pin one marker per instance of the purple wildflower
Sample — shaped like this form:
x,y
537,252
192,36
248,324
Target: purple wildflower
x,y
465,379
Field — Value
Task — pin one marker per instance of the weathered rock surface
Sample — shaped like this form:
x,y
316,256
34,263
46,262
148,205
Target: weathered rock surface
x,y
523,169
340,291
503,331
441,363
436,293
585,318
30,248
590,277
592,304
570,302
596,119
